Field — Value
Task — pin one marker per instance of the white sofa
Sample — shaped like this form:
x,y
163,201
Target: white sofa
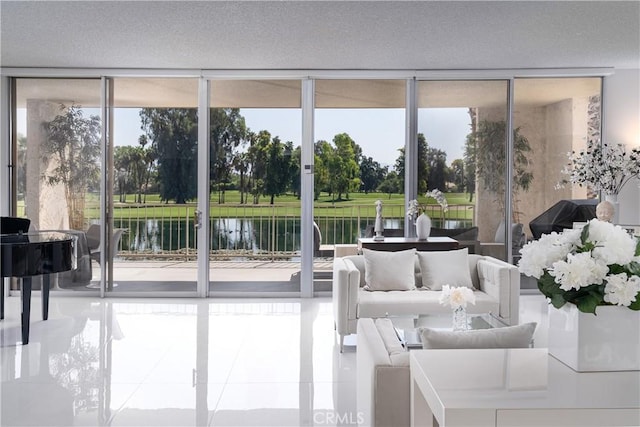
x,y
383,377
382,366
497,285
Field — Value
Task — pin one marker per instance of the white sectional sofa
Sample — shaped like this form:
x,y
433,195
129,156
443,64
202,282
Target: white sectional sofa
x,y
496,284
383,377
382,366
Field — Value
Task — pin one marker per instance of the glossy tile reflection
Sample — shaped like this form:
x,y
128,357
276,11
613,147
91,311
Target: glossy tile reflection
x,y
130,362
178,362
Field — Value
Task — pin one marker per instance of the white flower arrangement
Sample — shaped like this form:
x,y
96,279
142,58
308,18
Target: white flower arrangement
x,y
457,297
602,167
415,209
596,265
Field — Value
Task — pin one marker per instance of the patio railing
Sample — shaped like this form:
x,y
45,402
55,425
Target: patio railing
x,y
253,232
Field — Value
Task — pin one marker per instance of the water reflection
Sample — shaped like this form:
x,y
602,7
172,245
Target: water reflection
x,y
248,235
245,236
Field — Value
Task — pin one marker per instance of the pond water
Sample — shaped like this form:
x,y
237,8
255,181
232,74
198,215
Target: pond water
x,y
241,234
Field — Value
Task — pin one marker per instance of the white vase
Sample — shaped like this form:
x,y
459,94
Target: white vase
x,y
609,341
423,226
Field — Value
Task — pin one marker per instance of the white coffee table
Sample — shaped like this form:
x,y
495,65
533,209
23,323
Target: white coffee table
x,y
517,387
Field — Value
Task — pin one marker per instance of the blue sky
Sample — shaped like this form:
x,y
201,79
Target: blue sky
x,y
380,132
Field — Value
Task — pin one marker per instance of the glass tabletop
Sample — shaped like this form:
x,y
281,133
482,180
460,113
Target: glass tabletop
x,y
408,328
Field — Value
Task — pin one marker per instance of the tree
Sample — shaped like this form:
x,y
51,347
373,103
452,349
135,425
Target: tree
x,y
423,165
470,166
399,167
292,164
121,165
149,156
391,184
457,176
343,167
277,173
490,142
371,174
241,165
73,148
296,161
258,161
436,160
174,133
323,153
227,131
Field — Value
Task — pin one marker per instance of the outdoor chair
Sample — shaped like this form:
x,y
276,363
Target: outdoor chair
x,y
320,250
95,244
496,248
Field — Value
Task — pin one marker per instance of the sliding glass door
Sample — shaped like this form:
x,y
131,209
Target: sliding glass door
x,y
269,144
462,152
359,129
254,186
154,193
58,164
555,116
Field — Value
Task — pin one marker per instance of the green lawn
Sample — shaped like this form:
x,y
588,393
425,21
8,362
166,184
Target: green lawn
x,y
287,205
358,205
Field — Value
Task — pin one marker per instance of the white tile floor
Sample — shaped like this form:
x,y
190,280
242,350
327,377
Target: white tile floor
x,y
183,362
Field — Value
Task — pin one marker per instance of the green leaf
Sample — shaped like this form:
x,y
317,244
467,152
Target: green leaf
x,y
588,304
616,269
548,286
633,267
589,300
637,247
636,304
557,300
584,235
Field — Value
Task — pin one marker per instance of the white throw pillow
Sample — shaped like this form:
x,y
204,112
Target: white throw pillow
x,y
389,271
441,268
519,336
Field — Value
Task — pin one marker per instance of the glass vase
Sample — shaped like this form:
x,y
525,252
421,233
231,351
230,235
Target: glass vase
x,y
460,319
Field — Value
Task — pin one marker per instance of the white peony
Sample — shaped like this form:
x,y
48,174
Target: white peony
x,y
578,271
539,255
457,296
621,290
613,244
574,265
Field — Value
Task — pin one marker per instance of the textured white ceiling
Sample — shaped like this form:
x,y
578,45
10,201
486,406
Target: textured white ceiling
x,y
320,35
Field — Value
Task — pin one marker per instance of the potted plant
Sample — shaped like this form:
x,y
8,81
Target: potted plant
x,y
419,212
583,273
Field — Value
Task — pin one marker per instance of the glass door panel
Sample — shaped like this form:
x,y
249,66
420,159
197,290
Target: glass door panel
x,y
255,137
58,165
154,193
461,152
556,116
359,159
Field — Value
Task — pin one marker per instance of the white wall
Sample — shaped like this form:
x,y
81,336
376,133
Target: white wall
x,y
621,114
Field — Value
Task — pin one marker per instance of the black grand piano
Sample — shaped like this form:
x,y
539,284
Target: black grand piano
x,y
25,255
562,215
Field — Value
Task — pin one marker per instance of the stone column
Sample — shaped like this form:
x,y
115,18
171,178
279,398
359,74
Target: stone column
x,y
45,204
